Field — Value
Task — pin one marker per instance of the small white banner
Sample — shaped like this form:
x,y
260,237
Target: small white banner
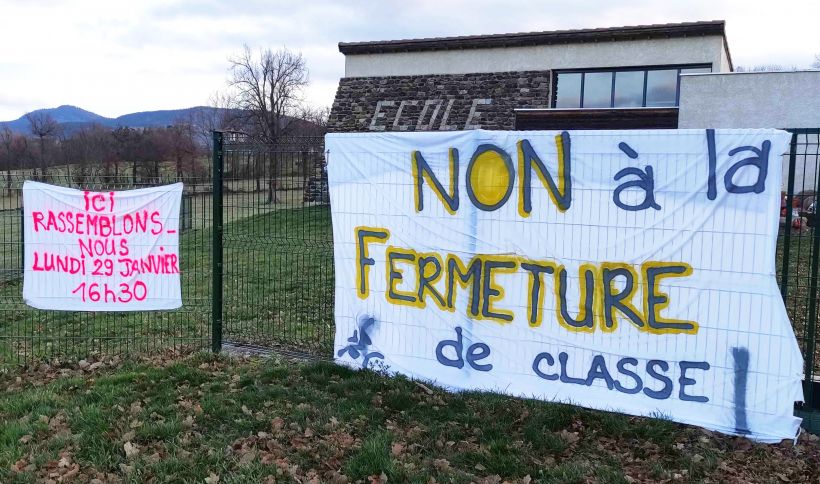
x,y
621,270
101,251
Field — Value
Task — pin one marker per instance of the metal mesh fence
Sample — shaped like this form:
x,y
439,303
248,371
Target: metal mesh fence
x,y
28,335
798,249
276,259
276,269
278,246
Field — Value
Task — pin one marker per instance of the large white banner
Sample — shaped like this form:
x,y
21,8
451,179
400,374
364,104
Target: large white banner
x,y
101,251
631,271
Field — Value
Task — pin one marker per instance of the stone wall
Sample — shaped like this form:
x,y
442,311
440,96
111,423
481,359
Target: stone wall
x,y
437,102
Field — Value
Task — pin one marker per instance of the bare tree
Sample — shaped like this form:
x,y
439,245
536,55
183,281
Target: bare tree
x,y
6,139
150,152
178,142
317,117
267,93
85,150
816,63
42,126
217,116
73,150
101,148
220,116
123,151
314,125
15,154
129,147
766,68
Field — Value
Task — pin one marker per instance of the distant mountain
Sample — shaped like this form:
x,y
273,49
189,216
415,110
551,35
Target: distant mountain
x,y
167,117
69,114
72,118
62,114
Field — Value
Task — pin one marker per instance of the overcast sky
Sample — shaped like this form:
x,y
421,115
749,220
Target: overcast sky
x,y
116,57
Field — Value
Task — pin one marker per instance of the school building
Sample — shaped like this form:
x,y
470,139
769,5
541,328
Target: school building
x,y
651,76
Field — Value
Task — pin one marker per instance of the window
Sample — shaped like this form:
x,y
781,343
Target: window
x,y
662,88
621,88
628,89
597,90
568,94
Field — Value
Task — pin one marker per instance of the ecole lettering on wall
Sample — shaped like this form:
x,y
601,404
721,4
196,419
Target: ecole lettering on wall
x,y
433,115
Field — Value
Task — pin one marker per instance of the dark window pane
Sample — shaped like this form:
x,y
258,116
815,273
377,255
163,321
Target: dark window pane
x,y
629,89
597,89
696,70
661,88
568,91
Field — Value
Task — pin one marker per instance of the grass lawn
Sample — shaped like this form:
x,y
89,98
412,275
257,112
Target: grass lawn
x,y
278,283
201,418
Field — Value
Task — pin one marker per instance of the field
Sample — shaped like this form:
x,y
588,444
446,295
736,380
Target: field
x,y
200,418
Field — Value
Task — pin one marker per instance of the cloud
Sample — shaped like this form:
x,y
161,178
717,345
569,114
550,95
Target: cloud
x,y
119,57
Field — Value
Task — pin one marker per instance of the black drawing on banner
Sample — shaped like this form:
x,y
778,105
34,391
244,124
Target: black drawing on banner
x,y
360,342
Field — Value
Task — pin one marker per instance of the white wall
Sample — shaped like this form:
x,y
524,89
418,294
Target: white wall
x,y
688,50
725,62
750,100
759,100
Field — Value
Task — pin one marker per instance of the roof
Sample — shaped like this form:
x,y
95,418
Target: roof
x,y
637,32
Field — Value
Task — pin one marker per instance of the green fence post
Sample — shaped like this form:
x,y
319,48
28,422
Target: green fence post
x,y
217,232
22,241
787,228
812,323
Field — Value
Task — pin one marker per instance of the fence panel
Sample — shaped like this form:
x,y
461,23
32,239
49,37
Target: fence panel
x,y
278,246
799,250
29,335
277,272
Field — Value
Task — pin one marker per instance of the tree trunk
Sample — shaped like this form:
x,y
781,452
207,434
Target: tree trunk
x,y
43,158
304,156
257,173
273,165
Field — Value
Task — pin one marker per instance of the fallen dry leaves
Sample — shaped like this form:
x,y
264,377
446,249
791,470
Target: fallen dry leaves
x,y
317,446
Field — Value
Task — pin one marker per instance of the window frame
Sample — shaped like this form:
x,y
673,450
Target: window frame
x,y
613,71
